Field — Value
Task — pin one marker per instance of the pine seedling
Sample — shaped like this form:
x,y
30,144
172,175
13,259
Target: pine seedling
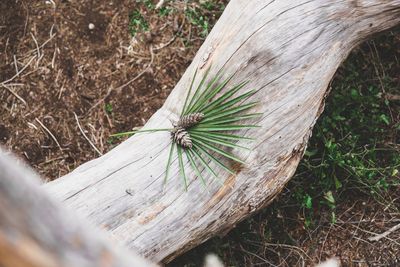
x,y
204,131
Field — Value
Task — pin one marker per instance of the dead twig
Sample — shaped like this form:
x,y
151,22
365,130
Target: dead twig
x,y
6,84
49,132
127,83
166,44
392,97
15,64
141,73
52,35
160,4
19,72
84,135
14,93
258,257
384,234
39,55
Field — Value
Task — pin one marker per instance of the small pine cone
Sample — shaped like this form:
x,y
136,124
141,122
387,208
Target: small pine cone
x,y
181,137
190,120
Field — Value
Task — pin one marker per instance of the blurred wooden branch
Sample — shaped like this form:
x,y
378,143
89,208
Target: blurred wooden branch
x,y
35,231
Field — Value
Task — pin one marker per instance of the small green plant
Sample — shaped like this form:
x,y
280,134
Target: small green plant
x,y
113,140
203,130
149,4
202,15
351,145
196,17
137,23
165,11
109,108
209,5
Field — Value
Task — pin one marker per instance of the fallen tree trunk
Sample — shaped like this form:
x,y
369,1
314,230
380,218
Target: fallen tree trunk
x,y
36,231
288,51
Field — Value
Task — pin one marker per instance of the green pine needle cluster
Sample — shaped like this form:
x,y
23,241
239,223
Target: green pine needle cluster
x,y
212,136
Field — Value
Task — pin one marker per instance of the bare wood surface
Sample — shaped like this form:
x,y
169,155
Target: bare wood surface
x,y
36,231
288,51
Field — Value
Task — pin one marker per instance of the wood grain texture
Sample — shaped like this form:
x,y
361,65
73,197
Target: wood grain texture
x,y
288,51
36,231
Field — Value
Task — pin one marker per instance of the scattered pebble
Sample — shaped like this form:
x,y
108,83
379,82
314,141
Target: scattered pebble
x,y
91,26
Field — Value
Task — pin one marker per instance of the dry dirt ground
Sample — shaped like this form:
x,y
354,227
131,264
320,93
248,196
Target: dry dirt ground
x,y
64,84
110,82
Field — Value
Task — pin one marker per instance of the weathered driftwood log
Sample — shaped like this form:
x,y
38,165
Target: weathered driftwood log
x,y
288,51
38,232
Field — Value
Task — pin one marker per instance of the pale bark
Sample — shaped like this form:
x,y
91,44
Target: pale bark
x,y
288,51
36,231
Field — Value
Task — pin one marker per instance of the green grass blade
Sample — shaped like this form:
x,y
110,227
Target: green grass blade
x,y
204,93
229,104
225,120
181,166
194,166
224,136
231,111
222,142
171,151
224,97
219,151
190,91
217,102
216,161
209,93
140,131
205,164
197,92
216,128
